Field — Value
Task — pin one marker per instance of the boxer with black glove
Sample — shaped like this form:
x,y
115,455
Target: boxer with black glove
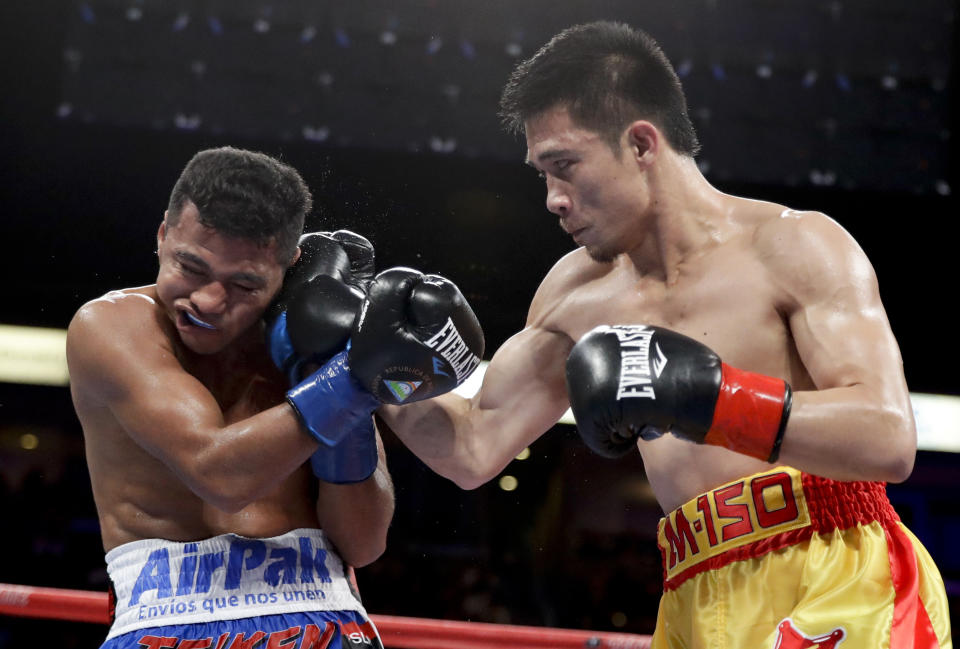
x,y
416,338
630,381
311,318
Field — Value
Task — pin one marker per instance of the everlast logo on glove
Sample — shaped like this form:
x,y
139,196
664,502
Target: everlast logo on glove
x,y
637,372
454,349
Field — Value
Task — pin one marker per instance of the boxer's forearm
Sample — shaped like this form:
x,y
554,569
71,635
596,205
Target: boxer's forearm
x,y
470,441
851,433
448,435
232,466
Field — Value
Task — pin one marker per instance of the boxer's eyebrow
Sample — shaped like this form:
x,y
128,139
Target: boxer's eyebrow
x,y
546,156
238,277
249,278
191,258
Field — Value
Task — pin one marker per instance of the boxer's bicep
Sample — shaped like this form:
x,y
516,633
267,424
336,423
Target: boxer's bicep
x,y
844,339
837,319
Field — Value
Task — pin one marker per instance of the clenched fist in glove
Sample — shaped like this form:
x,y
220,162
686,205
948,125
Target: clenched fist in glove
x,y
630,381
312,317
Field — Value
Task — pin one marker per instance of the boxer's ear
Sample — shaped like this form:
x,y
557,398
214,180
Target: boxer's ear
x,y
643,142
162,231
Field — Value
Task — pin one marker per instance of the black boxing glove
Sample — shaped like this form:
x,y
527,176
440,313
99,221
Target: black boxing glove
x,y
360,253
630,381
314,313
416,337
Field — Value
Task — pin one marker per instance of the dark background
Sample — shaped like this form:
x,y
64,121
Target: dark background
x,y
388,110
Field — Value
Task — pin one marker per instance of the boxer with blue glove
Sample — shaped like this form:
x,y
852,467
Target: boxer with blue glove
x,y
194,452
313,317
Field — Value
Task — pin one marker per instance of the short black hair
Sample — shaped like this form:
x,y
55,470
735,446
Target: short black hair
x,y
244,194
607,75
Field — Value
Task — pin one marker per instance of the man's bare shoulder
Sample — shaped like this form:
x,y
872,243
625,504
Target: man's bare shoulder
x,y
111,327
148,294
774,223
807,250
787,234
115,311
570,273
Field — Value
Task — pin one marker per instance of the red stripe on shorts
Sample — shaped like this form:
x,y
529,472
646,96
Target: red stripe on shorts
x,y
911,624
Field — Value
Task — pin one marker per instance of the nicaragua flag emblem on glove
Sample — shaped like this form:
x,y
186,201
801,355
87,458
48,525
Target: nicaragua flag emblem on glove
x,y
402,389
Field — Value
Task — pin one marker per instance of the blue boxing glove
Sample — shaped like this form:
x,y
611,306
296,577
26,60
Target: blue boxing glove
x,y
352,460
338,413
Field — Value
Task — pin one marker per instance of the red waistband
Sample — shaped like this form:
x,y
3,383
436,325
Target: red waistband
x,y
839,505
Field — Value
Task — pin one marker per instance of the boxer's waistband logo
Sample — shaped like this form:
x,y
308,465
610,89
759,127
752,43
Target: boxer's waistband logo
x,y
190,572
732,516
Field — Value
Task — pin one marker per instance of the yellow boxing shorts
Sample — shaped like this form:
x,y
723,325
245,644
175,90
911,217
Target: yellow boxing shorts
x,y
787,560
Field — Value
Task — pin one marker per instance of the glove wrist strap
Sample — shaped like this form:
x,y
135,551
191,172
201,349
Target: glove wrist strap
x,y
352,460
330,403
751,414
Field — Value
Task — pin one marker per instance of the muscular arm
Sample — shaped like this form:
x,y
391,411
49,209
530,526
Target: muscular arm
x,y
355,517
471,440
858,423
120,360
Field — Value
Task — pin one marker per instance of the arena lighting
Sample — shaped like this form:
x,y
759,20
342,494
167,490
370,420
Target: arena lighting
x,y
33,355
938,421
938,415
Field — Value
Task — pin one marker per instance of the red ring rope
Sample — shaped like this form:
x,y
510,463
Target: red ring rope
x,y
397,632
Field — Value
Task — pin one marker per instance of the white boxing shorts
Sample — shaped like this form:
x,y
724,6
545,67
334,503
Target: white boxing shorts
x,y
231,592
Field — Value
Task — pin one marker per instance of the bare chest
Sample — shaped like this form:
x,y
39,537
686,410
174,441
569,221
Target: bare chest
x,y
732,310
139,495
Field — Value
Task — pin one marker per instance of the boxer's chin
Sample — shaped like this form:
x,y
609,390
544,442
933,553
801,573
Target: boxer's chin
x,y
601,255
